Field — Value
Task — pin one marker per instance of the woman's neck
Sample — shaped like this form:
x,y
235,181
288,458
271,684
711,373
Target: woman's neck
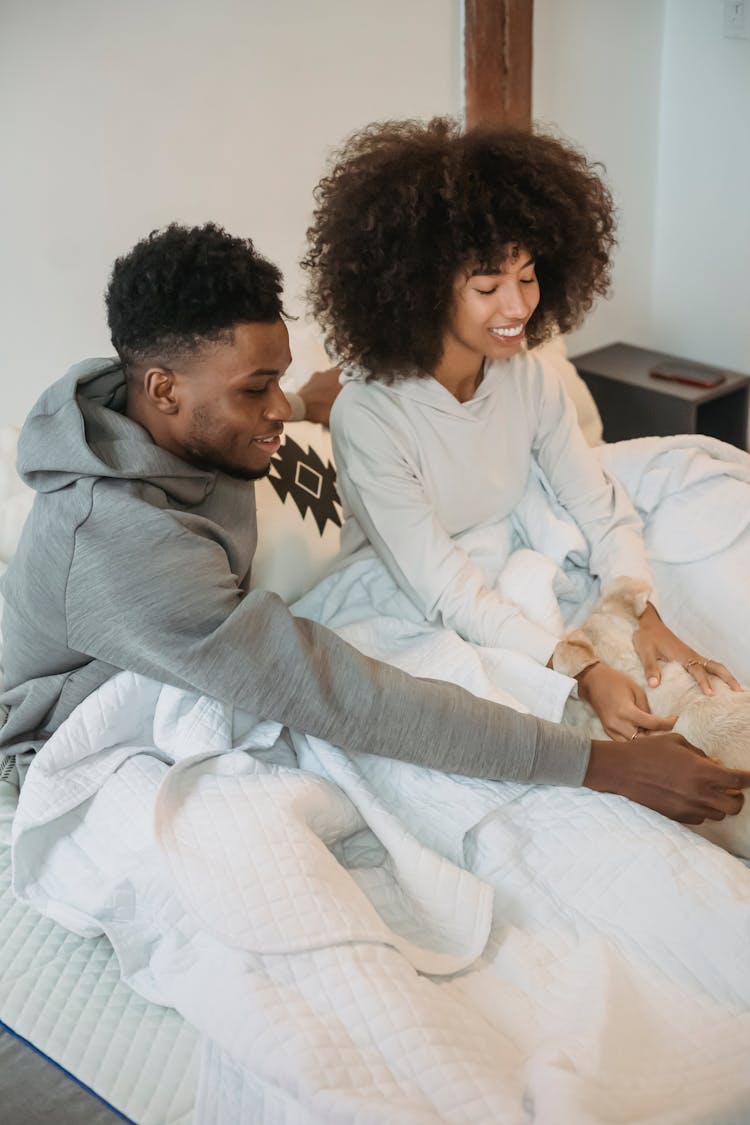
x,y
460,372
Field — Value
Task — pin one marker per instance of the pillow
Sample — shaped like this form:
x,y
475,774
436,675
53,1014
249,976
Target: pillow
x,y
308,354
554,353
299,514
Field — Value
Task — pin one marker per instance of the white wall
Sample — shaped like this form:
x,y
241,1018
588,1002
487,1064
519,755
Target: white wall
x,y
654,90
597,69
701,293
118,116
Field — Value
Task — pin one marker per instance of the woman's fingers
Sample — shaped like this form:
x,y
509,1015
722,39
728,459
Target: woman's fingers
x,y
696,668
625,728
645,721
648,656
702,670
653,642
722,673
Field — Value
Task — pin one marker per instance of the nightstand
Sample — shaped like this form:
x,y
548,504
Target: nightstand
x,y
633,404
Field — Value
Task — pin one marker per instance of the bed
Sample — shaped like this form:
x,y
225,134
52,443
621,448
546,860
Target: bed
x,y
432,950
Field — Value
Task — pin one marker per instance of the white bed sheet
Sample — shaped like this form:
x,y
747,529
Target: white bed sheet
x,y
63,993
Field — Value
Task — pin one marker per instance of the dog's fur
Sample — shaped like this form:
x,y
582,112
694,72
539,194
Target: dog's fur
x,y
718,724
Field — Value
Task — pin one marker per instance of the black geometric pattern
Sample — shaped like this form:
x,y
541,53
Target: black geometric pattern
x,y
310,483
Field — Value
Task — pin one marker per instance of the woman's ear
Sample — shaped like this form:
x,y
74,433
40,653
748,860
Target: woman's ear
x,y
160,389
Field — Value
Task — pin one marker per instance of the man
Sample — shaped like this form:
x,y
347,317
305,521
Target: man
x,y
138,551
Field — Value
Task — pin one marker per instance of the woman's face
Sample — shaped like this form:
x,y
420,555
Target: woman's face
x,y
490,310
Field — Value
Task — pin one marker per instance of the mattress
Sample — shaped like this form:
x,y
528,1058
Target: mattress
x,y
63,994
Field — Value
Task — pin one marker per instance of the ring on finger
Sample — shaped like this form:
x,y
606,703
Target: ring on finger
x,y
636,732
697,660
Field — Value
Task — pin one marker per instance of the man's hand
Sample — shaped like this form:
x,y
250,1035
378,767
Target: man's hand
x,y
653,641
619,702
318,394
665,773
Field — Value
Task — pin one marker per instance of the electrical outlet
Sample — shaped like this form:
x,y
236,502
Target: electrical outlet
x,y
735,20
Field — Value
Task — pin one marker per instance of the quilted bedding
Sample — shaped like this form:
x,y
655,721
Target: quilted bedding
x,y
372,942
64,994
360,941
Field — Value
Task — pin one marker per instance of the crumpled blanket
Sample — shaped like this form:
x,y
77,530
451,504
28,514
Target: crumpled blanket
x,y
364,940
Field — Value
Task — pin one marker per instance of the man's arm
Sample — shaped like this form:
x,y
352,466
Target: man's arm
x,y
148,593
313,401
171,609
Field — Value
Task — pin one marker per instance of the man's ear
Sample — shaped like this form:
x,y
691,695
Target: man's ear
x,y
160,388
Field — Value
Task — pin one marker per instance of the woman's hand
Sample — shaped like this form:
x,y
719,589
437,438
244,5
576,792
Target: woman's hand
x,y
653,641
619,702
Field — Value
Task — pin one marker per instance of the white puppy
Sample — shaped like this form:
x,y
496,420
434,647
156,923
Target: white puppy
x,y
718,724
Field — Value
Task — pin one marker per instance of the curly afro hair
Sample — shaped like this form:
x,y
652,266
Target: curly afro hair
x,y
184,286
408,205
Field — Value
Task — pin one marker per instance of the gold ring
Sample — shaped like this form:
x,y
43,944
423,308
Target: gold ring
x,y
635,734
696,660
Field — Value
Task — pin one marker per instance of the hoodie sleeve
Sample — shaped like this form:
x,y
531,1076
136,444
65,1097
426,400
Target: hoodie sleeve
x,y
173,610
597,502
385,493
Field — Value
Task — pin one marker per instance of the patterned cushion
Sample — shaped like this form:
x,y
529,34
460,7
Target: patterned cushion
x,y
299,513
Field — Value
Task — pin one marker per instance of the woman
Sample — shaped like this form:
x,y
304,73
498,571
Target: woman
x,y
436,258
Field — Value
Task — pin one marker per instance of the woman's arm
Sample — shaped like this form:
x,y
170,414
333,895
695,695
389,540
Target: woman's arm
x,y
381,487
598,504
612,528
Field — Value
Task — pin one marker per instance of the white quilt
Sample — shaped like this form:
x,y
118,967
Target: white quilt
x,y
362,941
374,942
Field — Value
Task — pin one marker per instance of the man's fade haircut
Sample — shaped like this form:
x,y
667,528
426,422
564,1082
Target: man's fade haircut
x,y
407,206
182,287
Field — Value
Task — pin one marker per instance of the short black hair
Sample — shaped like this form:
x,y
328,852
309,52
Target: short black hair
x,y
407,205
183,286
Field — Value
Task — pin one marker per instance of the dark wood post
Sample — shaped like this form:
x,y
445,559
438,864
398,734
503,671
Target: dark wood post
x,y
497,62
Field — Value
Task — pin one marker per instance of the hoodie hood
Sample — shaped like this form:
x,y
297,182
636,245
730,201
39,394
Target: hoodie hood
x,y
428,392
78,429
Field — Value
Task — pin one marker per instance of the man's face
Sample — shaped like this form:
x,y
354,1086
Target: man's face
x,y
230,409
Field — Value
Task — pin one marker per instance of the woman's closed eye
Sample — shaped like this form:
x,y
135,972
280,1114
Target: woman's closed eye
x,y
487,292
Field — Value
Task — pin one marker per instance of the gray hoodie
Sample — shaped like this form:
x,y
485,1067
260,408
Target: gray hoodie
x,y
134,559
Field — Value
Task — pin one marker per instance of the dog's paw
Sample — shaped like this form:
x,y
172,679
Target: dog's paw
x,y
574,653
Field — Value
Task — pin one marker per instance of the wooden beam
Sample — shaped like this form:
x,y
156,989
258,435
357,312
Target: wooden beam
x,y
497,62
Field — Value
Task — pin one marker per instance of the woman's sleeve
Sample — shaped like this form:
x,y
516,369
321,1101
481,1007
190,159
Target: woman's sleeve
x,y
381,487
598,503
